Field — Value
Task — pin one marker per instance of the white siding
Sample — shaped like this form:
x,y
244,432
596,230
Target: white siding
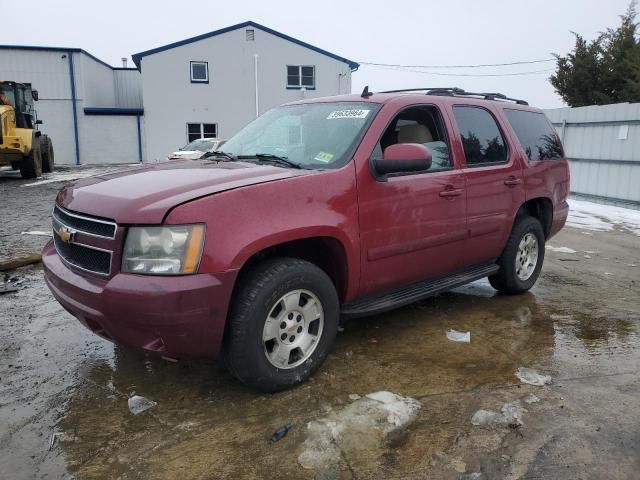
x,y
171,100
128,88
48,72
94,83
109,139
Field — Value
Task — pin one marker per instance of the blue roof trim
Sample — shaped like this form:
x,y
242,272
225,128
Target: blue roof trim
x,y
113,111
64,50
138,56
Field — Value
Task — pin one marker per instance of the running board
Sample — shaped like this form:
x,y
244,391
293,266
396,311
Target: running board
x,y
381,302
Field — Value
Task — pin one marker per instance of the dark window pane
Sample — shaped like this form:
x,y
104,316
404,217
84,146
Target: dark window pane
x,y
209,130
307,71
198,71
193,136
193,128
537,137
481,137
293,81
307,81
293,70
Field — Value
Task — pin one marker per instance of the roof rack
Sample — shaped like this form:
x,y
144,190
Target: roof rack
x,y
459,92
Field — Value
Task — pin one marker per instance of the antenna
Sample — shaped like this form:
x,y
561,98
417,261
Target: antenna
x,y
366,93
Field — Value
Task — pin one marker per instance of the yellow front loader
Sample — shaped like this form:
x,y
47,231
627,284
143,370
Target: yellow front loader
x,y
22,145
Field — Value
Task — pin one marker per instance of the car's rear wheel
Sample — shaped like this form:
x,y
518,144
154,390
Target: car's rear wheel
x,y
522,258
282,324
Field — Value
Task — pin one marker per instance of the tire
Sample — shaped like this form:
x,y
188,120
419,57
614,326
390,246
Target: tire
x,y
47,156
260,296
509,279
31,165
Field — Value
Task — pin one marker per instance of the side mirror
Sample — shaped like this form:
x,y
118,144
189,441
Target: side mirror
x,y
34,94
39,122
402,158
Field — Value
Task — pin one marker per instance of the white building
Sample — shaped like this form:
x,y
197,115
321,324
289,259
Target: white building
x,y
206,86
91,110
214,84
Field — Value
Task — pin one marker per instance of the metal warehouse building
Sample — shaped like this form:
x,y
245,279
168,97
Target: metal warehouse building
x,y
602,143
206,86
90,109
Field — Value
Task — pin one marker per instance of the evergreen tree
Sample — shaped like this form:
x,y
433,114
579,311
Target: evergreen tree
x,y
605,70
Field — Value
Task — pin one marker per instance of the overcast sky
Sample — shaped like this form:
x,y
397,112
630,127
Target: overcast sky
x,y
422,32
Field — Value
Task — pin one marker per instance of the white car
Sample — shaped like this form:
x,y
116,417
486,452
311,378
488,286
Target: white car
x,y
197,149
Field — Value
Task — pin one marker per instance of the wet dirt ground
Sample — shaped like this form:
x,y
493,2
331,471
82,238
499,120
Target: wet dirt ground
x,y
580,324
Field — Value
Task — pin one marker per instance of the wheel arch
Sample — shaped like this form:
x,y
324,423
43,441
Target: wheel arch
x,y
326,252
540,208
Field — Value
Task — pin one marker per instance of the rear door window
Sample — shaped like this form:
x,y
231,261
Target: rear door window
x,y
538,138
481,137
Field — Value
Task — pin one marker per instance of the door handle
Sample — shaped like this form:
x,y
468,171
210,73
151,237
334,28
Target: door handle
x,y
512,181
451,192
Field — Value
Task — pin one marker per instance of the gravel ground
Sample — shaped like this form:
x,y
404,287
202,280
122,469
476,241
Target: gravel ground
x,y
580,325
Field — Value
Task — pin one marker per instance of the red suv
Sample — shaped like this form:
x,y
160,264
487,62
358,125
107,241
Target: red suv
x,y
348,205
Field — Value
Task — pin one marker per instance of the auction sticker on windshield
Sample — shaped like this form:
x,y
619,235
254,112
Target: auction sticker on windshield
x,y
360,113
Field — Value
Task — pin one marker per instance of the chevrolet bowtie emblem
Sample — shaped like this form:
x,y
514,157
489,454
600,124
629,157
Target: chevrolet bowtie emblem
x,y
65,234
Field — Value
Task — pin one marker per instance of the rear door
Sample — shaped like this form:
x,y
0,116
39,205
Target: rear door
x,y
493,180
413,226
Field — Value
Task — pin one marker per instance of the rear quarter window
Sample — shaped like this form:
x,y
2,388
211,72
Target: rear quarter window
x,y
538,138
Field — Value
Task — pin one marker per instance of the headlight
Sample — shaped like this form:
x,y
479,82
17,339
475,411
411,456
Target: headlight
x,y
163,250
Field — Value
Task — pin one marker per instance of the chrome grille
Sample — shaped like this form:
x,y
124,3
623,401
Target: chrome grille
x,y
84,257
88,225
75,238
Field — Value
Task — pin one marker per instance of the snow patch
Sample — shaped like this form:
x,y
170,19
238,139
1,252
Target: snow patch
x,y
362,426
602,218
560,249
456,336
532,377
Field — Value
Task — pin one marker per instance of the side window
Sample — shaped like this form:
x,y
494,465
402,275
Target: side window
x,y
419,125
199,72
537,137
481,138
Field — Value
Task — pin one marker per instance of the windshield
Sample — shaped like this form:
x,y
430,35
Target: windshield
x,y
201,145
313,135
7,96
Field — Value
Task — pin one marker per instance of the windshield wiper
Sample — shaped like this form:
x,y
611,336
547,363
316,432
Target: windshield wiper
x,y
269,157
219,153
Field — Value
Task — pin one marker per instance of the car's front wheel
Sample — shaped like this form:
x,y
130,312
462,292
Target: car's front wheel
x,y
522,258
282,324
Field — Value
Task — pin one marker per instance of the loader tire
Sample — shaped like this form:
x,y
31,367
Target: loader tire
x,y
31,165
47,156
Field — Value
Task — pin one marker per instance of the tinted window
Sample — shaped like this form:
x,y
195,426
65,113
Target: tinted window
x,y
481,137
537,137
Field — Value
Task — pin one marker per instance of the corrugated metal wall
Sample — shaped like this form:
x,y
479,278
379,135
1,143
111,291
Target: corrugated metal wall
x,y
603,147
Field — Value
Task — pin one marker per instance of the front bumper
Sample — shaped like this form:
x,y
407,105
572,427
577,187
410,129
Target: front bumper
x,y
177,316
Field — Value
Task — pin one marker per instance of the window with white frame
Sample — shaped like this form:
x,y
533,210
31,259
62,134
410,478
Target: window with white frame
x,y
201,130
301,76
199,72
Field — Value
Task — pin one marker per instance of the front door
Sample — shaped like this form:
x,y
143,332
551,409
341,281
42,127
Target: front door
x,y
412,227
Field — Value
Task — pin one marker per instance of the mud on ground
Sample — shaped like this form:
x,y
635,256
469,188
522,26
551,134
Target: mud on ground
x,y
580,324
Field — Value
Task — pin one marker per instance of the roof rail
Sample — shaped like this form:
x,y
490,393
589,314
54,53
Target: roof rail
x,y
455,91
428,89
